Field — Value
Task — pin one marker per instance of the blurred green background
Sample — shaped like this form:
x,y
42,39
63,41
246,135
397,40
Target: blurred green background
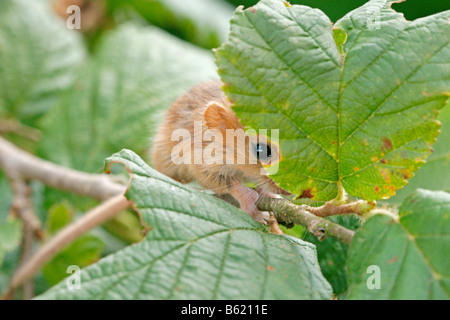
x,y
170,16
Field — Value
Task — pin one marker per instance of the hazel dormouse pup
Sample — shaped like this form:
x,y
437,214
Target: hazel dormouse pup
x,y
202,140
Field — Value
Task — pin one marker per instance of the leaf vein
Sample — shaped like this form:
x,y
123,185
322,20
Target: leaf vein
x,y
391,93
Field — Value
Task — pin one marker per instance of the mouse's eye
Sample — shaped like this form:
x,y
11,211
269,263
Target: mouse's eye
x,y
263,152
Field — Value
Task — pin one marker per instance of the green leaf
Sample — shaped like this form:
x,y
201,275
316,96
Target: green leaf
x,y
435,173
199,248
38,57
363,119
121,94
59,215
202,22
10,236
126,227
411,252
340,37
82,252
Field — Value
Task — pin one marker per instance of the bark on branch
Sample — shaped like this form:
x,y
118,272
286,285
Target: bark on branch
x,y
97,186
288,213
17,128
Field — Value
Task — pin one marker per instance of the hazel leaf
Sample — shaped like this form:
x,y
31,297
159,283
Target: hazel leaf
x,y
354,103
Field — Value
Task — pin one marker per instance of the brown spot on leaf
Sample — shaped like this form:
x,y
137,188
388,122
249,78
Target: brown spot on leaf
x,y
390,261
270,268
374,158
386,175
406,174
387,145
356,168
384,161
392,190
307,194
377,189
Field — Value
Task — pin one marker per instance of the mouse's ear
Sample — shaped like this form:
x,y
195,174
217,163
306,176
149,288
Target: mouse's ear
x,y
217,116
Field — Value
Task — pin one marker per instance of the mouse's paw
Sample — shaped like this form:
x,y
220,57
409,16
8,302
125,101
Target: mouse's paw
x,y
269,219
248,199
261,216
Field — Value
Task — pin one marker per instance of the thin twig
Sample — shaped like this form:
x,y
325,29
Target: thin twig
x,y
91,219
330,209
289,213
22,207
17,128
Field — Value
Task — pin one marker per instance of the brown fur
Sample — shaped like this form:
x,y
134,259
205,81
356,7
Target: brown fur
x,y
207,103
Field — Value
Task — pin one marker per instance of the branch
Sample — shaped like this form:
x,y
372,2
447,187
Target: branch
x,y
97,186
15,127
88,221
330,209
288,213
22,207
